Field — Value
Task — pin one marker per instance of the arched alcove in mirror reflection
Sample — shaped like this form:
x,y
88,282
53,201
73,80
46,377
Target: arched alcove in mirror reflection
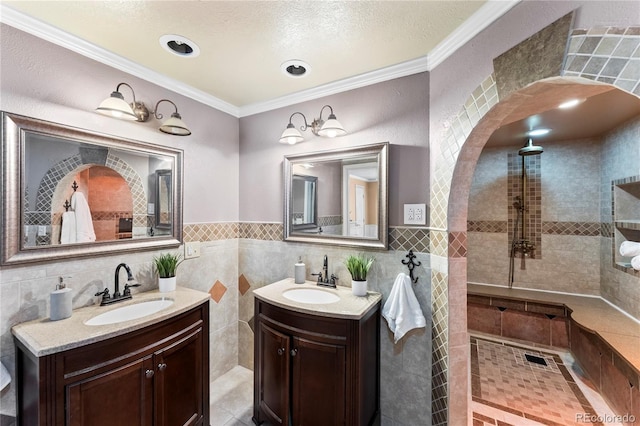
x,y
108,196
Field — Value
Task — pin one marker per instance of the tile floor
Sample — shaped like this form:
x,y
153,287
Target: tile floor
x,y
507,389
231,398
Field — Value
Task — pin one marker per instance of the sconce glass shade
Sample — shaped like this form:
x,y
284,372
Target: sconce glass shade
x,y
175,126
291,135
116,106
332,128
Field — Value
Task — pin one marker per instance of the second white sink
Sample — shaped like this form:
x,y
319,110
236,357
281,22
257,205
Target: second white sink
x,y
130,312
311,295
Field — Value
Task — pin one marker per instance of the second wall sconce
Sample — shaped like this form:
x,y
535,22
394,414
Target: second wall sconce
x,y
330,128
116,106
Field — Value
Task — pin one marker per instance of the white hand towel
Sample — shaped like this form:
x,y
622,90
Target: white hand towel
x,y
402,310
5,377
68,233
635,263
630,249
84,223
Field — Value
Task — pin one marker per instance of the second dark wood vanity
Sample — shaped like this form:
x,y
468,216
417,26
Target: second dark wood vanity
x,y
315,369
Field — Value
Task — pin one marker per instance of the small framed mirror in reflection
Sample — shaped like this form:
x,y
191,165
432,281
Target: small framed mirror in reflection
x,y
338,197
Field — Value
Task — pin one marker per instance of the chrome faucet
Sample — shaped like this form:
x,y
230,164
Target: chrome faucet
x,y
117,297
323,277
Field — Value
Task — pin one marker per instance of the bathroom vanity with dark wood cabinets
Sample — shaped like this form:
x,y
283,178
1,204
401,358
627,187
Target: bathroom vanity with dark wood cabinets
x,y
155,375
314,369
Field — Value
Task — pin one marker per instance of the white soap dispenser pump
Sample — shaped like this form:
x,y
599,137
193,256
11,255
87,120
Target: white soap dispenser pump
x,y
60,301
300,272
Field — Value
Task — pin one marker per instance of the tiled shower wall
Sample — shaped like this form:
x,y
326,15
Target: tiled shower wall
x,y
620,158
566,230
597,60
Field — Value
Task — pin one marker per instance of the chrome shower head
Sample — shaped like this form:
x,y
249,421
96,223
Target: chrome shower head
x,y
530,149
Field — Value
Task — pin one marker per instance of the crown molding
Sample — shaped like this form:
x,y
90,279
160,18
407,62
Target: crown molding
x,y
56,36
488,13
414,66
485,16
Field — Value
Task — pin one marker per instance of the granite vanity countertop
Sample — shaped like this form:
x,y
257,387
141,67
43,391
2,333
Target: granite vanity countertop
x,y
45,337
348,307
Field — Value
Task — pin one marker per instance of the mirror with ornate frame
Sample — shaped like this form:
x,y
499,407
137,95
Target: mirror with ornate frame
x,y
69,192
338,197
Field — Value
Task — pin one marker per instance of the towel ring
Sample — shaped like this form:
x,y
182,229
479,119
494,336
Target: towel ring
x,y
411,264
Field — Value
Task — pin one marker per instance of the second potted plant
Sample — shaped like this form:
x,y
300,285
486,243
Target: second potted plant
x,y
166,265
358,266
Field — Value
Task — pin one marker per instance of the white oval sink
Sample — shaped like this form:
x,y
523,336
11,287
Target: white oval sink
x,y
311,295
130,312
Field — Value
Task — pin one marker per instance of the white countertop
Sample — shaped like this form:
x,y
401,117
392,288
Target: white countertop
x,y
348,307
45,337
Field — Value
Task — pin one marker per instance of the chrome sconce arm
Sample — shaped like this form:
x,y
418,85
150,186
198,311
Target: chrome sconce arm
x,y
116,106
330,128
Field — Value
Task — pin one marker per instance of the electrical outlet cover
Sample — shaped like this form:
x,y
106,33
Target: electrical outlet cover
x,y
415,214
192,249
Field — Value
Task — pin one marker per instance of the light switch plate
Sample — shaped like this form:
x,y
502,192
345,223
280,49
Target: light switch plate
x,y
415,214
192,249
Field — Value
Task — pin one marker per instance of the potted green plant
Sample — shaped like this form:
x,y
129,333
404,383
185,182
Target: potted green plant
x,y
166,265
358,266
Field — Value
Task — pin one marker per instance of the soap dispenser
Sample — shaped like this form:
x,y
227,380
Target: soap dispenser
x,y
61,301
300,272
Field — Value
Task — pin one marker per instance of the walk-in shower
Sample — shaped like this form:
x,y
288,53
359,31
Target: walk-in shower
x,y
520,244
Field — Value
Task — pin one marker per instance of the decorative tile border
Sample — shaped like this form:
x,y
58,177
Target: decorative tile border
x,y
210,231
405,238
582,229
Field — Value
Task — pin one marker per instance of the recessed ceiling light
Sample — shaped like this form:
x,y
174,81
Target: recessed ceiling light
x,y
538,132
295,68
180,46
570,103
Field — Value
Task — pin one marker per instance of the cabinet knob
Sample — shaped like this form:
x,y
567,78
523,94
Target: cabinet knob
x,y
162,366
280,351
294,352
148,374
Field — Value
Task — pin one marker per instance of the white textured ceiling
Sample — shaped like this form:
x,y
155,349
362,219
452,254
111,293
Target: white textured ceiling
x,y
244,43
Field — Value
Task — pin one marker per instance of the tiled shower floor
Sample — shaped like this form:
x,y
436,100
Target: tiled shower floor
x,y
509,389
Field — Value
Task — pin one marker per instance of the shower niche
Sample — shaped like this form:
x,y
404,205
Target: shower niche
x,y
626,218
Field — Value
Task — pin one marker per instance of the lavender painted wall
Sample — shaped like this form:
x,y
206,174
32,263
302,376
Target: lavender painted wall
x,y
394,111
46,81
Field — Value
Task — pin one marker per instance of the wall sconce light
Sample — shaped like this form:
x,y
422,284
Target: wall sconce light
x,y
116,106
329,129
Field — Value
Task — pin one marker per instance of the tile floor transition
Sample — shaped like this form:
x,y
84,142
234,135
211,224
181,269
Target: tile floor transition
x,y
231,398
545,388
507,389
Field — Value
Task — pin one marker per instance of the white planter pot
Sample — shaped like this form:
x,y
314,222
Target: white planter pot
x,y
359,288
167,284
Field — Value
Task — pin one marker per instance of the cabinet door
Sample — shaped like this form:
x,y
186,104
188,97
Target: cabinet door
x,y
179,382
123,397
319,383
274,375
